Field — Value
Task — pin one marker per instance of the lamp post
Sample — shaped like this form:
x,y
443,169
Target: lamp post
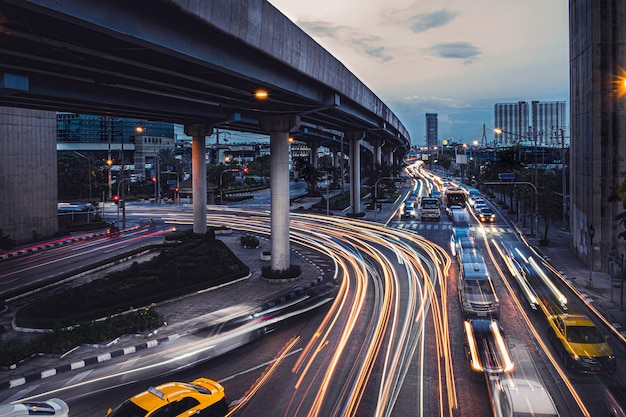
x,y
89,167
122,203
222,184
499,131
591,233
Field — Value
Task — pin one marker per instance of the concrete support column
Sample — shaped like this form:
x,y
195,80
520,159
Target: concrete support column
x,y
199,132
378,157
279,128
313,160
355,170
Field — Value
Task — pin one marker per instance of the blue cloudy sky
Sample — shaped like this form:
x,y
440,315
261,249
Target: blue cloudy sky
x,y
456,58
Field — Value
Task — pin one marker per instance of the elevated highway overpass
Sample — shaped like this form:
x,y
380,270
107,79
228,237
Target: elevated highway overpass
x,y
198,63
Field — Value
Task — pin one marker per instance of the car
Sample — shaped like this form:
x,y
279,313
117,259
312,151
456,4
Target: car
x,y
522,397
478,207
476,200
580,344
486,348
450,210
53,407
486,215
408,210
201,397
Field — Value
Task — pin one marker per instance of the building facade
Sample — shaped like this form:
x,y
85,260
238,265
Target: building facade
x,y
541,124
117,139
432,131
598,127
512,119
548,121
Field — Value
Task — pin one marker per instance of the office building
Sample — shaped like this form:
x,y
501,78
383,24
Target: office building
x,y
432,131
598,128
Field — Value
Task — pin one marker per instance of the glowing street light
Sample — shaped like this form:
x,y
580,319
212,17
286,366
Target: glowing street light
x,y
261,94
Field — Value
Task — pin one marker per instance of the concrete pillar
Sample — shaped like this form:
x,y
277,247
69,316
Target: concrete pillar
x,y
279,128
313,160
355,139
198,132
378,157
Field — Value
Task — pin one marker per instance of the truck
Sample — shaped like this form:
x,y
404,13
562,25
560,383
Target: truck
x,y
430,208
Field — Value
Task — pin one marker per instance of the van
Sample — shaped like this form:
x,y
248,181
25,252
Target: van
x,y
476,292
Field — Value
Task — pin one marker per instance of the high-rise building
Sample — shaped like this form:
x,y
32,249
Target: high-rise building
x,y
432,131
598,127
548,121
543,125
512,119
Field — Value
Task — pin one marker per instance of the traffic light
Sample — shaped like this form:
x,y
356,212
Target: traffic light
x,y
245,170
153,179
116,199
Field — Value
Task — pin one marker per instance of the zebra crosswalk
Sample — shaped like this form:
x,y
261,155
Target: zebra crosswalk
x,y
447,226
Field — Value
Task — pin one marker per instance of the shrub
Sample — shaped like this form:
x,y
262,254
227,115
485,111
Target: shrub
x,y
249,241
15,350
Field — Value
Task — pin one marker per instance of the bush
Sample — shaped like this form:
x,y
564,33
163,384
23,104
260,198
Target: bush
x,y
188,266
59,341
249,241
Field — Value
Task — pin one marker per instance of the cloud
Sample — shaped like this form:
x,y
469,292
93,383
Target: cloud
x,y
425,21
455,50
364,44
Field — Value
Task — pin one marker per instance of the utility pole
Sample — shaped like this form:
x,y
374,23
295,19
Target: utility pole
x,y
565,224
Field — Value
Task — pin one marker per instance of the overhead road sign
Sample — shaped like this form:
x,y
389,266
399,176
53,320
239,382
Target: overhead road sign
x,y
506,175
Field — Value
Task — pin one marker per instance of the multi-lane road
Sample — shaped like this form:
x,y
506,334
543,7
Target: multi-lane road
x,y
391,342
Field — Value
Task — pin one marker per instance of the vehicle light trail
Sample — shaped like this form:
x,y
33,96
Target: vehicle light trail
x,y
390,284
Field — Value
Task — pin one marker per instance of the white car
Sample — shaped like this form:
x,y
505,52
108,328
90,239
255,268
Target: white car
x,y
50,408
522,397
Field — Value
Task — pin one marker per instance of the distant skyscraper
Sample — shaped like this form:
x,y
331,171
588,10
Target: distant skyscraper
x,y
512,118
432,130
548,119
598,127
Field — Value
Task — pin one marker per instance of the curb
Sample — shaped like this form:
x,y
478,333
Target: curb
x,y
103,357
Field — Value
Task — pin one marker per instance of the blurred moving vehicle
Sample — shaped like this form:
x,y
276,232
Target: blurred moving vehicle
x,y
486,349
580,344
515,397
408,209
202,397
53,407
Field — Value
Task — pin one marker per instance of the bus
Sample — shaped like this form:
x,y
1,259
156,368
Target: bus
x,y
455,197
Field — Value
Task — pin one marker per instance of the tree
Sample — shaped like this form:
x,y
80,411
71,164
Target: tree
x,y
260,167
549,203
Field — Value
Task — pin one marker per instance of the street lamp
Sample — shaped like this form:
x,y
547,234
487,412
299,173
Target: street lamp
x,y
121,202
499,131
222,184
89,167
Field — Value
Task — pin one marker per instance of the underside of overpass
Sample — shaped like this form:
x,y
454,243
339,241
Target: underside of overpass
x,y
193,62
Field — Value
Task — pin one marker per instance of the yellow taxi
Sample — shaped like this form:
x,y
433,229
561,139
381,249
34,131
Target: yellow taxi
x,y
201,397
580,344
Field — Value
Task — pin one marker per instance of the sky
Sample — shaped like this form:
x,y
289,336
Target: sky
x,y
456,58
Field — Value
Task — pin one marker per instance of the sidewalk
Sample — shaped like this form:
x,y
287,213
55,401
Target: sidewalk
x,y
576,274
